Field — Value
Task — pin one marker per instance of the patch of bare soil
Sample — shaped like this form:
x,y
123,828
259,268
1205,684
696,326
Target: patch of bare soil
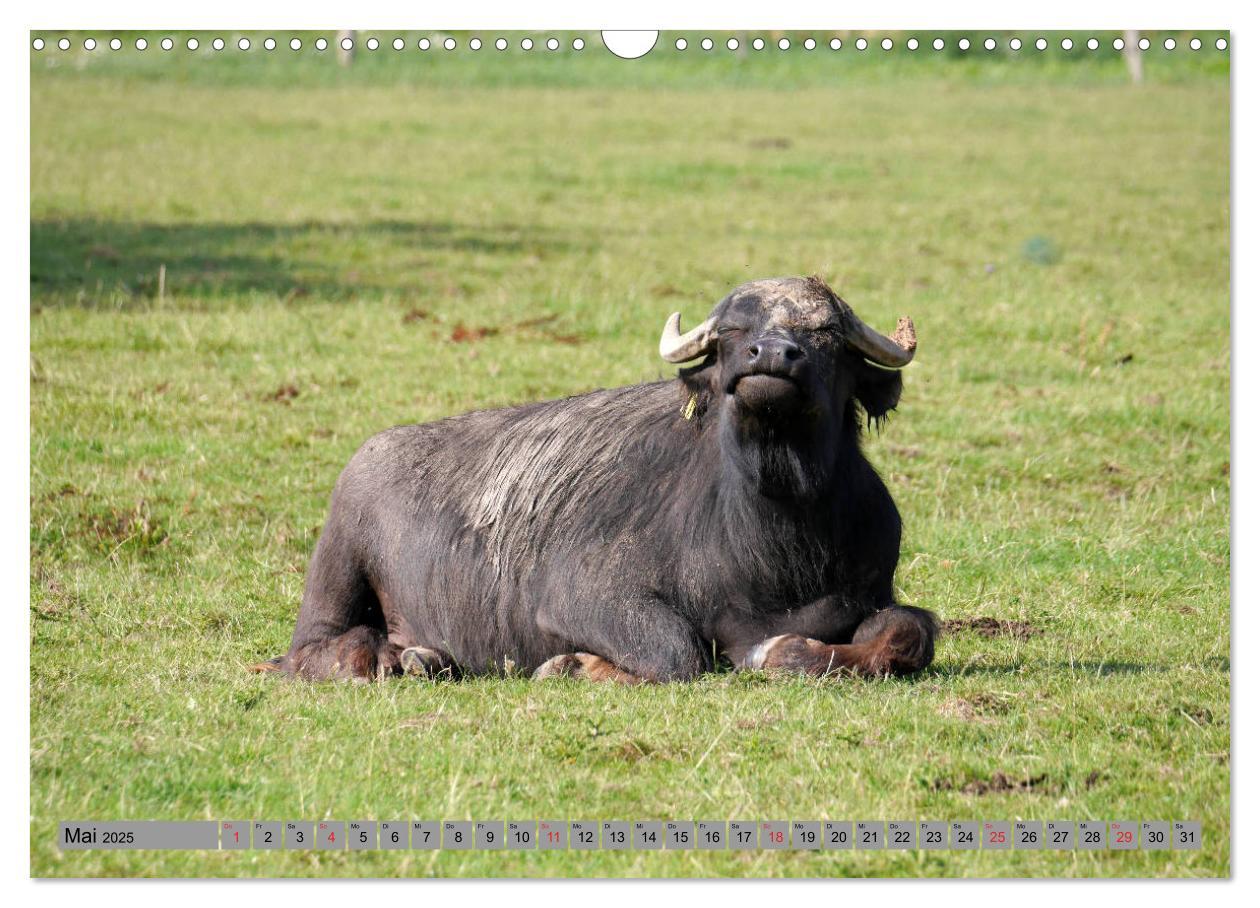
x,y
991,627
284,394
997,783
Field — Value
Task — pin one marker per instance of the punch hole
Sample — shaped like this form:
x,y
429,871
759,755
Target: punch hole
x,y
810,43
270,44
1118,44
527,44
424,44
321,44
1221,44
681,44
578,44
706,44
913,44
1066,44
1144,44
450,44
115,44
500,44
167,44
141,44
553,44
1015,44
1042,44
474,43
758,44
990,44
860,44
886,44
64,44
89,44
217,44
346,43
372,43
1170,44
243,43
964,44
38,44
295,44
1092,44
399,43
836,43
192,44
1195,44
630,45
938,44
784,44
732,44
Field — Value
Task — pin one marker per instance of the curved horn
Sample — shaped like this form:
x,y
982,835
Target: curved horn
x,y
678,348
892,352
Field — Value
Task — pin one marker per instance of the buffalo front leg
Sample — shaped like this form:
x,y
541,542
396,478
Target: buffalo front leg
x,y
360,654
895,641
630,639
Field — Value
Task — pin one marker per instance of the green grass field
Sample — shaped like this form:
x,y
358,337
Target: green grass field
x,y
239,272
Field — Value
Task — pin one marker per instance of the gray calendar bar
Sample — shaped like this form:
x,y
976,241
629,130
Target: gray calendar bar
x,y
639,835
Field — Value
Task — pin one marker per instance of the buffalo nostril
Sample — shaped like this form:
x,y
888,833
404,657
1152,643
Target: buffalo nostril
x,y
753,351
791,352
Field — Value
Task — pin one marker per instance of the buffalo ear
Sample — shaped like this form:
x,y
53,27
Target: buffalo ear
x,y
877,390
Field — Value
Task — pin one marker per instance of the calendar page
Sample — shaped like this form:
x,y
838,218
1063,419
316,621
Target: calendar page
x,y
563,453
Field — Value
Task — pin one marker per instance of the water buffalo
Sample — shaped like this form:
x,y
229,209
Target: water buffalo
x,y
639,533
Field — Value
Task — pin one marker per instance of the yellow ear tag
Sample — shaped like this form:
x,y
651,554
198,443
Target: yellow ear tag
x,y
689,410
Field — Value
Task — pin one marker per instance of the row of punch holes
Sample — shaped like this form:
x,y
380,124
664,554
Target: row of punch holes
x,y
553,44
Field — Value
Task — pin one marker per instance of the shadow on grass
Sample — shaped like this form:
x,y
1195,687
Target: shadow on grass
x,y
120,264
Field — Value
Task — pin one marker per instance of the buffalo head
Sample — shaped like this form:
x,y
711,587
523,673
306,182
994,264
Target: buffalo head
x,y
783,360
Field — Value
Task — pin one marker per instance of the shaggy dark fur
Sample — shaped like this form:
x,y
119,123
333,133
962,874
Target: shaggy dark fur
x,y
729,510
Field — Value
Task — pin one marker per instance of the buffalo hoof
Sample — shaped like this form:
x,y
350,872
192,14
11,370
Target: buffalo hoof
x,y
585,666
422,662
567,666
